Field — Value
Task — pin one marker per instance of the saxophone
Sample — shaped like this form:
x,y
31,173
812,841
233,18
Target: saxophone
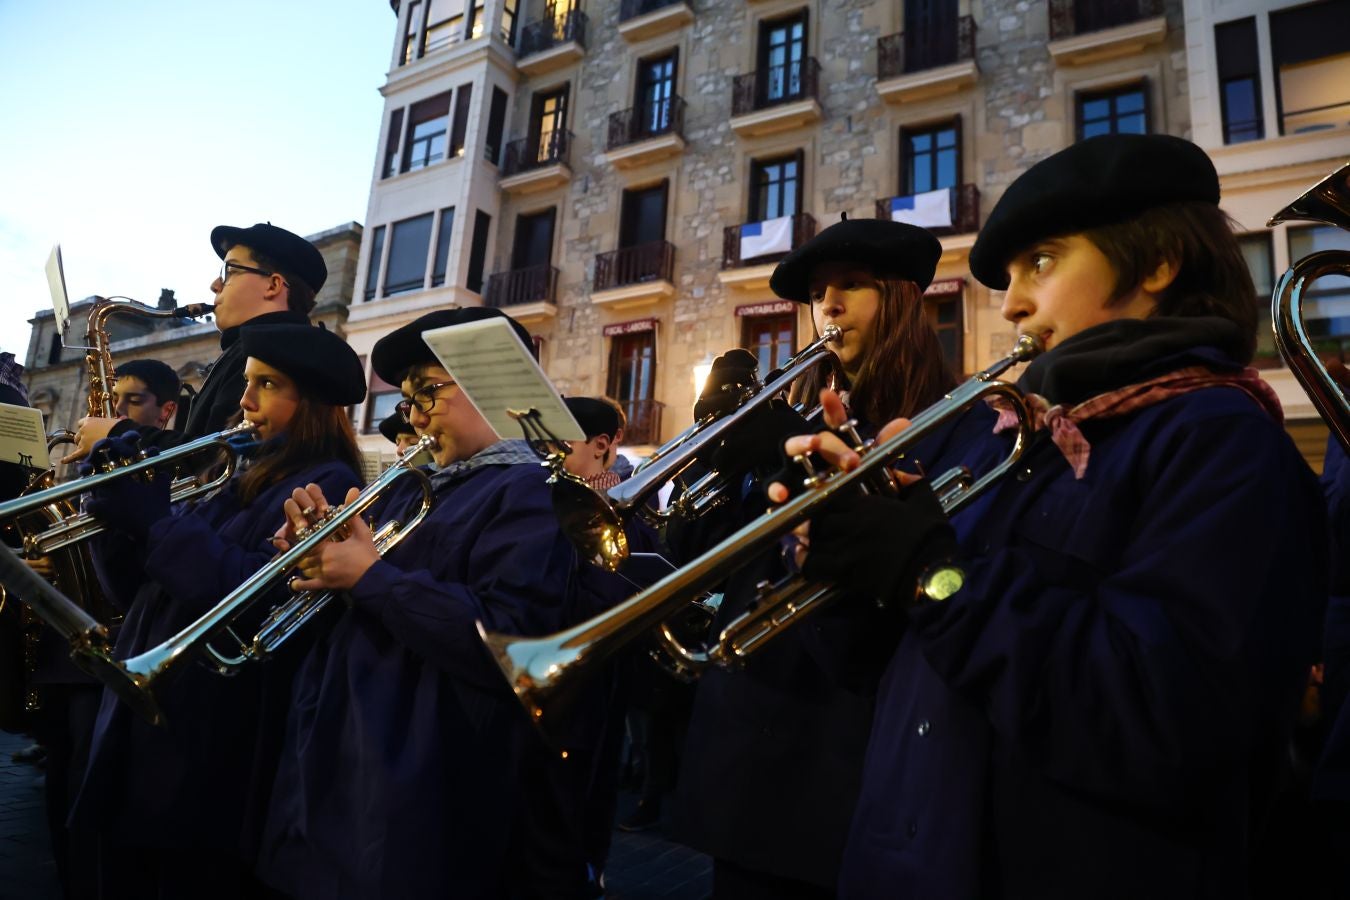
x,y
72,567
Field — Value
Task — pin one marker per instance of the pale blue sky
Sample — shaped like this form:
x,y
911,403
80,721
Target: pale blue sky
x,y
129,130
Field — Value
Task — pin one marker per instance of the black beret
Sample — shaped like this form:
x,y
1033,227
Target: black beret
x,y
594,416
297,256
320,363
392,425
159,377
886,249
401,349
1099,181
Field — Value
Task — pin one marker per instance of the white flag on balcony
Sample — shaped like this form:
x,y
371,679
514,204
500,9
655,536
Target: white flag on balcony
x,y
769,236
932,209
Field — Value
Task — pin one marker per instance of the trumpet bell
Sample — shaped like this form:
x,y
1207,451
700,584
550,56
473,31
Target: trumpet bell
x,y
1327,202
589,521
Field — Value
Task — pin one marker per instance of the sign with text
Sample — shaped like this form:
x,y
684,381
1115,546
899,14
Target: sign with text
x,y
945,286
772,308
634,327
22,438
498,373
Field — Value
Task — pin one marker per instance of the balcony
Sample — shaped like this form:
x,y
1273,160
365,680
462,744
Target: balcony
x,y
536,163
551,44
644,421
746,272
962,210
1088,31
635,276
527,294
646,134
642,19
927,63
776,98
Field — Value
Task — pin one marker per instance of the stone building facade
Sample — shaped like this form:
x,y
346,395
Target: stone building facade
x,y
58,378
622,175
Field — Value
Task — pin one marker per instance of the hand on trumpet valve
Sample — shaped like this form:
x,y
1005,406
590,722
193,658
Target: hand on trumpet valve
x,y
336,564
88,432
129,504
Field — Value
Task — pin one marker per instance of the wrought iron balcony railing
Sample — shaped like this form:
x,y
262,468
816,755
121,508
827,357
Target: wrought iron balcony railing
x,y
548,33
774,85
803,229
653,261
965,210
551,148
939,44
529,285
649,120
1071,17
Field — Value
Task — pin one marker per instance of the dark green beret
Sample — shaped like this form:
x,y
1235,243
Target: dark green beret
x,y
320,363
297,256
886,249
1098,181
401,349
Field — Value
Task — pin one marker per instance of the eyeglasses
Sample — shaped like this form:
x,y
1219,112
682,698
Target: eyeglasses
x,y
424,398
227,266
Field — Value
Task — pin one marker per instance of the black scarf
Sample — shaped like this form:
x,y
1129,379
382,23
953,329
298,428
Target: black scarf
x,y
1127,351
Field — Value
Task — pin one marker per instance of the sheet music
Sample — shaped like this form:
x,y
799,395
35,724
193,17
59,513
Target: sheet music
x,y
56,283
22,438
491,365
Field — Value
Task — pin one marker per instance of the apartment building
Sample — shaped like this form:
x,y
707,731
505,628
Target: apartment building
x,y
622,175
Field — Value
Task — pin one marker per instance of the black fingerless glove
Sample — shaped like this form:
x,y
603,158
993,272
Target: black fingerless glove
x,y
879,544
730,372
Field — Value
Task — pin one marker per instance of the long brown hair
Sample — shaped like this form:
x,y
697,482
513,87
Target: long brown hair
x,y
318,432
903,371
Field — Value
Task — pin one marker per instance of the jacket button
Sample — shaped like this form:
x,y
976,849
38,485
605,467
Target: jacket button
x,y
924,728
1024,474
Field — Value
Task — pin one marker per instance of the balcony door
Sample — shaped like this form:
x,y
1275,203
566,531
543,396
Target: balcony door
x,y
655,93
930,34
782,50
930,158
632,382
775,187
534,240
642,219
549,123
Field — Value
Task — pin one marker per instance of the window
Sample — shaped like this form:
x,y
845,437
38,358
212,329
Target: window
x,y
1310,49
462,99
425,143
445,22
407,266
548,116
381,400
1120,111
391,143
944,314
492,147
410,34
775,187
54,350
1326,306
373,266
930,33
632,382
655,93
642,217
1239,81
782,52
478,251
771,339
534,240
509,22
1258,253
443,232
930,158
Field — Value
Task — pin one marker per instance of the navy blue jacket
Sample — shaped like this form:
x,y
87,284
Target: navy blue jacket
x,y
402,770
1100,710
201,780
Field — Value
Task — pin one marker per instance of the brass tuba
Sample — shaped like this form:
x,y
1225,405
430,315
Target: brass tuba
x,y
1328,201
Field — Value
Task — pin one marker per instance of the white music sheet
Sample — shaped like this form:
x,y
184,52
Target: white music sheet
x,y
490,364
22,438
56,283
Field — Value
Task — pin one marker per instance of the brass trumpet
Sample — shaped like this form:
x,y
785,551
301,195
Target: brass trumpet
x,y
537,668
595,522
73,527
147,668
1327,201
